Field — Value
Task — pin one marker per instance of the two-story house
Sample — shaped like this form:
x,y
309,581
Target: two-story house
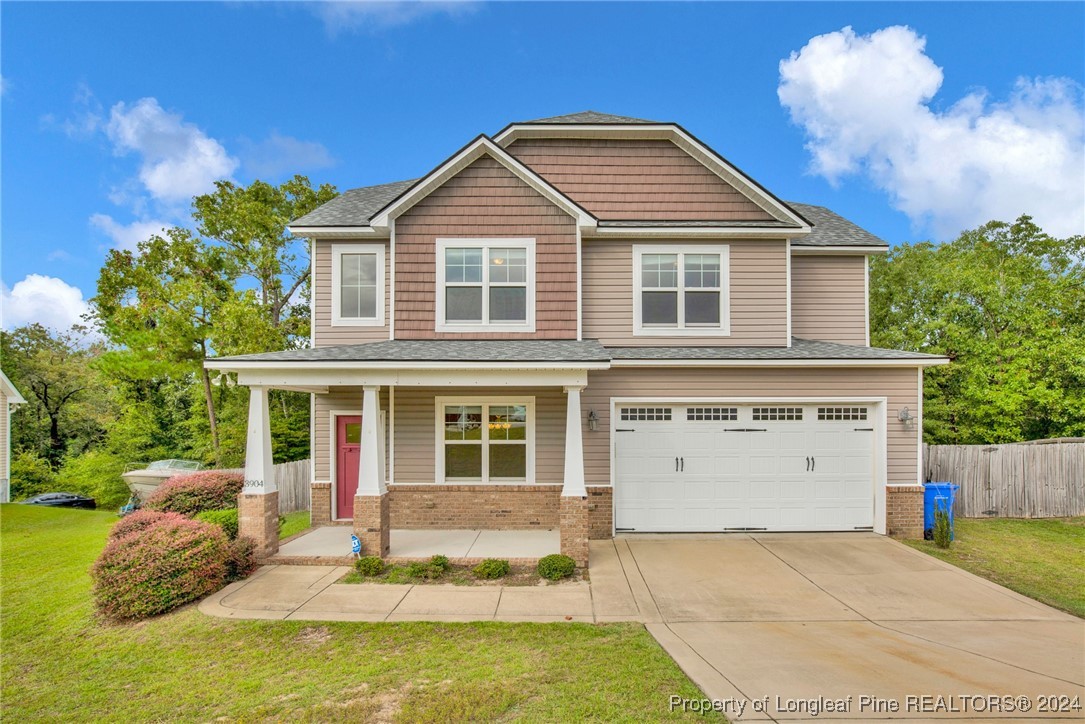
x,y
598,324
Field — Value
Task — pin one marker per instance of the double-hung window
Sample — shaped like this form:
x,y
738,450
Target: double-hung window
x,y
680,290
357,284
485,441
485,285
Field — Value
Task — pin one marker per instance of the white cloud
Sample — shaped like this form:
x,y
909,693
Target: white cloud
x,y
5,86
374,15
277,155
178,159
863,101
46,300
127,236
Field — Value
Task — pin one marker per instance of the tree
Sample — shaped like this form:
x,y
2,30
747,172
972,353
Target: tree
x,y
159,305
250,223
68,405
1006,303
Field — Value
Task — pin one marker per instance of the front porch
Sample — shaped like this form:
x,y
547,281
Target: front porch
x,y
330,545
465,454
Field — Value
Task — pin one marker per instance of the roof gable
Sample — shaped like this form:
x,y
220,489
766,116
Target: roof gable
x,y
587,117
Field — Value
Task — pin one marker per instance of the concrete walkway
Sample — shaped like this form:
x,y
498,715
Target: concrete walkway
x,y
310,593
330,542
835,616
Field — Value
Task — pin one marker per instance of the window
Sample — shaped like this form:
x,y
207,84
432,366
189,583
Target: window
x,y
486,441
841,413
776,414
357,284
646,414
711,414
485,285
680,290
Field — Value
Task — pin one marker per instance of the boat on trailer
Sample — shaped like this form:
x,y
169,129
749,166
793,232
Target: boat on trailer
x,y
143,478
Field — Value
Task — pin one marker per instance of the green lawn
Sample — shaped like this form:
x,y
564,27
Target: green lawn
x,y
1042,559
61,664
295,522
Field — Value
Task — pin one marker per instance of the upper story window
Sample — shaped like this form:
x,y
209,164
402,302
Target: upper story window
x,y
680,290
485,285
357,284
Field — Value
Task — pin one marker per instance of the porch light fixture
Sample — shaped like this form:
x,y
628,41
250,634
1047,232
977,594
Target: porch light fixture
x,y
593,421
905,416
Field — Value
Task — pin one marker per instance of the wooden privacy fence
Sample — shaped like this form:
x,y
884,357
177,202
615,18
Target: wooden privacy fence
x,y
1012,481
292,480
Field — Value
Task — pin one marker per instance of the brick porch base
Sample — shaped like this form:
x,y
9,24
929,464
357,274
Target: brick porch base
x,y
904,511
372,524
258,518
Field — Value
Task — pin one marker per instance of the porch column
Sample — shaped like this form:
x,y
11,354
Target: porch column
x,y
371,508
258,503
574,494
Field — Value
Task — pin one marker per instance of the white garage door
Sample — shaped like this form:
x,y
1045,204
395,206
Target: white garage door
x,y
716,467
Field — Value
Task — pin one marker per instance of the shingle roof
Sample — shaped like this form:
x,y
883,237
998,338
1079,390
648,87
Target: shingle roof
x,y
831,229
354,207
588,117
696,224
424,350
800,349
567,351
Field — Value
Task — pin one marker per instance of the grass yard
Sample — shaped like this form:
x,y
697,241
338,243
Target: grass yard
x,y
61,664
1042,559
295,522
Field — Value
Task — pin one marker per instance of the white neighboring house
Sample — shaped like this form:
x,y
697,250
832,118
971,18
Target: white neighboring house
x,y
9,397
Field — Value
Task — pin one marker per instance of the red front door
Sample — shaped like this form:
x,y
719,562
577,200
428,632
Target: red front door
x,y
348,452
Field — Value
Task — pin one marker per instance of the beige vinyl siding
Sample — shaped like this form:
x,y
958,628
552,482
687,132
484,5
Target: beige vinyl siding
x,y
416,432
325,335
899,385
486,200
828,298
338,398
5,440
635,179
758,295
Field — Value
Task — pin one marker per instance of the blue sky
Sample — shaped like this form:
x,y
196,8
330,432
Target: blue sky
x,y
114,114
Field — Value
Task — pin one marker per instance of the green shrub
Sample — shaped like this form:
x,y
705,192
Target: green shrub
x,y
439,561
194,493
225,519
159,567
240,558
943,533
30,475
555,567
141,520
96,473
424,570
369,566
492,568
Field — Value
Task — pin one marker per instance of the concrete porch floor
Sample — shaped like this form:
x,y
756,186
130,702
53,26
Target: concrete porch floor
x,y
333,541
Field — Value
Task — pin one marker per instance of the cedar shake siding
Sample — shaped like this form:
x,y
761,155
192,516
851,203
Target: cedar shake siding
x,y
758,295
324,334
635,179
485,200
828,298
899,385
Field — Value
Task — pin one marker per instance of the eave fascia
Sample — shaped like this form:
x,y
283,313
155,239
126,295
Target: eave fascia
x,y
338,232
228,365
793,363
481,146
694,232
838,250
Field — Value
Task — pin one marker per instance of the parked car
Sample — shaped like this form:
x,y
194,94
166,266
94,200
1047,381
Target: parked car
x,y
62,500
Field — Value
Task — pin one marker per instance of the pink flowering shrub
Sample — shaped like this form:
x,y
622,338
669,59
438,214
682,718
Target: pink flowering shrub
x,y
194,493
155,568
139,520
240,558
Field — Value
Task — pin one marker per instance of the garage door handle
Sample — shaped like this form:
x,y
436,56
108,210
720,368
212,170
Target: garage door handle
x,y
813,463
807,463
683,465
676,465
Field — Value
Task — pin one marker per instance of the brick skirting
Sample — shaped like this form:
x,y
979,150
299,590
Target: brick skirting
x,y
321,503
904,511
258,518
469,507
600,512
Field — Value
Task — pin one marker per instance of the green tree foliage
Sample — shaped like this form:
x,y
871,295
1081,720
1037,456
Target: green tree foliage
x,y
1006,303
30,475
68,406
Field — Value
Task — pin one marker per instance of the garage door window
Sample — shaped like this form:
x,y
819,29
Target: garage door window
x,y
711,414
646,414
486,442
680,290
777,414
841,413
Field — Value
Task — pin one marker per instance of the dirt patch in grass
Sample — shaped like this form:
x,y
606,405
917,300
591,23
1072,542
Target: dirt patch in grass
x,y
461,575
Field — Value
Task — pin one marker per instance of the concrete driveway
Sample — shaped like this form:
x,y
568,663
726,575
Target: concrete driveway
x,y
777,626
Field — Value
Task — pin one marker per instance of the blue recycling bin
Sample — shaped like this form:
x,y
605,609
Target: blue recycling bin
x,y
937,496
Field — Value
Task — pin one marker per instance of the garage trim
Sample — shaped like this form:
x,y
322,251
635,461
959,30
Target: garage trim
x,y
878,405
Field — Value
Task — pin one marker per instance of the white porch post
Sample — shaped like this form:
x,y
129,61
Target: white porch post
x,y
259,470
258,503
370,467
574,446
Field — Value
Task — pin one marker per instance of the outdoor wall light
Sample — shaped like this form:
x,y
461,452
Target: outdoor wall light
x,y
905,416
593,421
